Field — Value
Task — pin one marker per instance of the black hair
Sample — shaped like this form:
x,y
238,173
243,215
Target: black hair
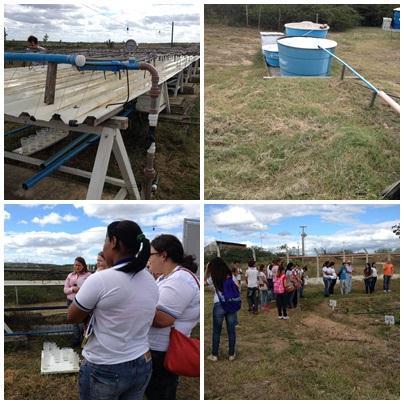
x,y
33,39
82,262
219,272
129,236
289,266
251,263
175,251
326,264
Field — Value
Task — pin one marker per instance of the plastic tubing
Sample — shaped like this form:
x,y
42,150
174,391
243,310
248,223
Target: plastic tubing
x,y
75,60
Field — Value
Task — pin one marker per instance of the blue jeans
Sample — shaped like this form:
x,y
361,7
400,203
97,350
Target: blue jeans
x,y
123,381
327,284
386,282
252,298
231,320
264,297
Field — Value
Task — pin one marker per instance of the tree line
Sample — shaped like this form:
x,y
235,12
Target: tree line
x,y
273,16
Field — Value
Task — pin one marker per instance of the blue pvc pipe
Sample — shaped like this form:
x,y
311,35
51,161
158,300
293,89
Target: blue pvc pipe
x,y
75,60
57,163
111,65
370,85
17,130
65,149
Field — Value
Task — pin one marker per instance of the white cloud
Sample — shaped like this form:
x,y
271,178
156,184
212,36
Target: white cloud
x,y
7,215
53,218
23,222
238,217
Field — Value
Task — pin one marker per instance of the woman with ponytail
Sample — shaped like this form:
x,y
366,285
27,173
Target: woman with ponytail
x,y
123,302
178,307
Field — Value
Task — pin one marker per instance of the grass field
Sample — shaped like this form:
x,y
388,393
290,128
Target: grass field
x,y
298,138
318,354
23,381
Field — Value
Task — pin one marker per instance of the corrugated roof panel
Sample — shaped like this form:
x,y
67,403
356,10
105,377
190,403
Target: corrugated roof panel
x,y
80,96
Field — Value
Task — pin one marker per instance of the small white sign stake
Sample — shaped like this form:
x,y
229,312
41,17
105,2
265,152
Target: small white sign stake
x,y
389,320
333,304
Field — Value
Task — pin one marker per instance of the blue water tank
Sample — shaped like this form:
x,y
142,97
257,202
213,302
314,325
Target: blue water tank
x,y
306,28
395,24
271,55
301,56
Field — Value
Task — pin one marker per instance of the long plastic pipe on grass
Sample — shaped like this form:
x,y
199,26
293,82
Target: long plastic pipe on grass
x,y
380,93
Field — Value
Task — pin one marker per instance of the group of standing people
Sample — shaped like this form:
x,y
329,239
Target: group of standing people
x,y
127,313
276,282
330,277
345,274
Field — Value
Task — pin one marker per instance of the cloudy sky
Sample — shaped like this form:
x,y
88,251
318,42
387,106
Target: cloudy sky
x,y
103,20
58,233
329,226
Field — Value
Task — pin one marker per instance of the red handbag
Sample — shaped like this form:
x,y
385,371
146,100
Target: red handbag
x,y
182,356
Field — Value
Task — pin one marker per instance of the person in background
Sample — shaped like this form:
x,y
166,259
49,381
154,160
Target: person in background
x,y
263,288
326,278
33,46
178,306
349,270
73,283
374,277
388,271
251,280
303,272
333,277
216,273
238,272
289,277
123,302
280,294
367,278
343,279
101,263
270,283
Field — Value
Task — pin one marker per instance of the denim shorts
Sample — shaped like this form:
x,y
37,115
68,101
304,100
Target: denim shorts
x,y
122,381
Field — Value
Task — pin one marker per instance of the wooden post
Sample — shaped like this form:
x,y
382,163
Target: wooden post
x,y
259,17
372,101
343,72
16,295
50,86
246,14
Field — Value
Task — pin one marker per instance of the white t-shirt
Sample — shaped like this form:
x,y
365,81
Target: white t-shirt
x,y
123,309
374,272
180,298
333,273
252,277
263,281
327,272
269,273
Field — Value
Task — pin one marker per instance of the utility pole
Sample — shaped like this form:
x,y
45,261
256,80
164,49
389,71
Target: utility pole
x,y
303,235
172,33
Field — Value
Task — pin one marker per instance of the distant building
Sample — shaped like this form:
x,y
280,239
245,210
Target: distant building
x,y
211,247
